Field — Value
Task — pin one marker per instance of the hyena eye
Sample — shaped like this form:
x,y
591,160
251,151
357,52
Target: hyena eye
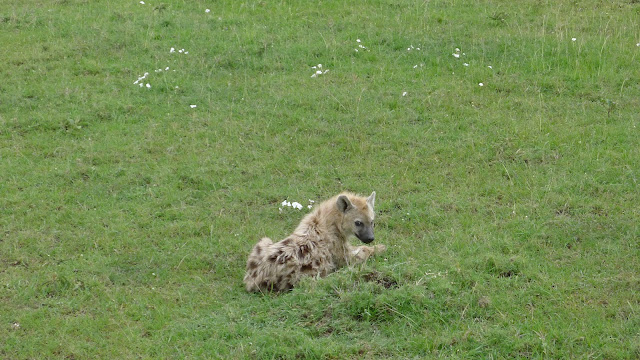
x,y
359,223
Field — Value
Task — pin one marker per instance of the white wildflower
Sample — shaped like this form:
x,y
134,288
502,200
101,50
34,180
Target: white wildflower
x,y
148,86
490,67
465,64
166,69
456,55
573,39
318,72
360,46
193,106
296,205
404,93
481,84
142,2
172,50
207,11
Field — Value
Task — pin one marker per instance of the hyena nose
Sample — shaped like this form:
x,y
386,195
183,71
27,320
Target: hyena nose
x,y
365,236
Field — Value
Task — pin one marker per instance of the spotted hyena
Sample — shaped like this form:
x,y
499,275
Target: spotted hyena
x,y
317,247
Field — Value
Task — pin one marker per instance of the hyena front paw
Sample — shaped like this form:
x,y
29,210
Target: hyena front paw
x,y
379,248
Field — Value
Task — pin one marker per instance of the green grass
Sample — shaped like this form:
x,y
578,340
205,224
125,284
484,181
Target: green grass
x,y
510,210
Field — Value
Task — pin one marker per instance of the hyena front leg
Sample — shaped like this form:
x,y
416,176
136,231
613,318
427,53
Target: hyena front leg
x,y
361,253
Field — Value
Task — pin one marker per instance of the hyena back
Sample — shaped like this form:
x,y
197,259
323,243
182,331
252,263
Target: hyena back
x,y
317,247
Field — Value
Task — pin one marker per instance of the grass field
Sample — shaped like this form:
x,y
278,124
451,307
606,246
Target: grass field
x,y
501,138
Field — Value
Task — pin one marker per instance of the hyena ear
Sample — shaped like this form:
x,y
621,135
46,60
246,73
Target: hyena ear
x,y
371,199
344,204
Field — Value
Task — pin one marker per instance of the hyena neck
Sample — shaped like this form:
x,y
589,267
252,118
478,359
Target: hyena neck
x,y
333,222
327,216
337,234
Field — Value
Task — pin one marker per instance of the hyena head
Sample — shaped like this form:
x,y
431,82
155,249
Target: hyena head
x,y
357,216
